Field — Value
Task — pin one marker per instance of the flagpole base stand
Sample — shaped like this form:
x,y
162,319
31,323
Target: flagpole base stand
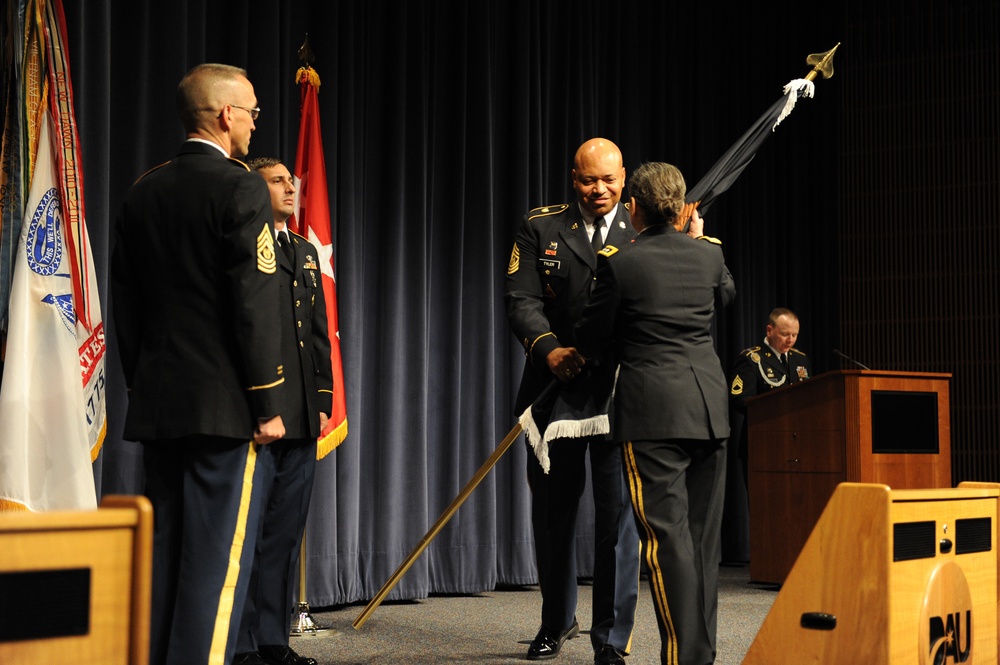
x,y
304,626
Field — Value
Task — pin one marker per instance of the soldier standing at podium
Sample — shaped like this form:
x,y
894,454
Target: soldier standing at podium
x,y
760,368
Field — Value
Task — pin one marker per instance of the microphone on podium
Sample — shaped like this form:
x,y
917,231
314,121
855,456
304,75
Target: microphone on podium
x,y
850,360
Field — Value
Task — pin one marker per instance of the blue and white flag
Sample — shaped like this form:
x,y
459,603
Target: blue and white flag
x,y
52,394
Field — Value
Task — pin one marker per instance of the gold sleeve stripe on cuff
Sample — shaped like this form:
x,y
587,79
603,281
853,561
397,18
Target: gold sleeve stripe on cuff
x,y
269,385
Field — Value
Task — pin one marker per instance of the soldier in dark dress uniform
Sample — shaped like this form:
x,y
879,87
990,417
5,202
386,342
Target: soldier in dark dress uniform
x,y
194,291
549,278
305,350
654,302
774,364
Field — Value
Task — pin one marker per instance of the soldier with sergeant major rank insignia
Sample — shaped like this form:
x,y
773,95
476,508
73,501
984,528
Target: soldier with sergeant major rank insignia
x,y
549,279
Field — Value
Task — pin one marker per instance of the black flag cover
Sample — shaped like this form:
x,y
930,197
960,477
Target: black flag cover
x,y
575,411
729,167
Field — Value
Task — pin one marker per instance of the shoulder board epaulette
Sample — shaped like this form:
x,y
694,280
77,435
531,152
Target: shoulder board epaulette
x,y
233,159
159,166
794,350
545,211
752,349
714,241
607,251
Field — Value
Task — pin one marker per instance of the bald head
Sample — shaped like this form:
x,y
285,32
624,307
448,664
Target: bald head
x,y
598,175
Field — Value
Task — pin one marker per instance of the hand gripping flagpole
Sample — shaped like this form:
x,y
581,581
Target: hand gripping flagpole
x,y
729,167
447,514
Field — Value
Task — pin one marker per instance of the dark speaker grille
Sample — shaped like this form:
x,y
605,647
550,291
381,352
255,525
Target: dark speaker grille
x,y
913,540
973,535
64,595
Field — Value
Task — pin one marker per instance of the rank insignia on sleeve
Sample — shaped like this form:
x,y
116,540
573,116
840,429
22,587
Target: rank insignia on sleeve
x,y
266,261
737,387
515,260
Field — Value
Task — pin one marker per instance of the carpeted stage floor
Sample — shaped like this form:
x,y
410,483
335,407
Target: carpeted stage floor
x,y
497,626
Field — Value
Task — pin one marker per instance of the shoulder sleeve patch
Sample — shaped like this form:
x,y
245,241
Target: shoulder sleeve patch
x,y
267,262
545,211
609,250
714,241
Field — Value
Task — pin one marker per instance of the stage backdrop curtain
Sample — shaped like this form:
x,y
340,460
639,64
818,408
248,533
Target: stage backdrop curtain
x,y
444,121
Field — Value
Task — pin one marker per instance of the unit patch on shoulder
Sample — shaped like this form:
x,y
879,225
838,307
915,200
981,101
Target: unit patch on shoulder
x,y
609,250
737,387
515,260
267,262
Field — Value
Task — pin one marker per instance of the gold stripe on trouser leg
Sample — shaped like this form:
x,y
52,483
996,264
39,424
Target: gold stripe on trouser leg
x,y
220,636
651,550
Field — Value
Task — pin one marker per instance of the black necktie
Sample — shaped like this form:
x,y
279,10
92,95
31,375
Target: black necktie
x,y
596,241
784,363
285,243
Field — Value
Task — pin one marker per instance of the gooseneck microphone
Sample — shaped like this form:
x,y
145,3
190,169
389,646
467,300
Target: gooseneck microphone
x,y
850,360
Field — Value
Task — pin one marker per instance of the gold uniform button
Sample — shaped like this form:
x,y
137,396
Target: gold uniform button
x,y
298,323
295,282
302,344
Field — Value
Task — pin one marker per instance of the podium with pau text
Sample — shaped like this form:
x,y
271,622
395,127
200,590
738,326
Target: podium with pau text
x,y
75,585
899,577
861,426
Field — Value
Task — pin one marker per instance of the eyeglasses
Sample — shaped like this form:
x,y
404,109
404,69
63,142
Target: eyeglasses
x,y
254,112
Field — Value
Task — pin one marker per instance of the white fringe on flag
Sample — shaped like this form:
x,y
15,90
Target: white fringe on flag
x,y
800,88
560,429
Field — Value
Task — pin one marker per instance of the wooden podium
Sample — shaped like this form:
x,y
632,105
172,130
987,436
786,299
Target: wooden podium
x,y
862,426
75,585
895,577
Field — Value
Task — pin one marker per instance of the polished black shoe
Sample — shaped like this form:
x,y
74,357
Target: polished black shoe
x,y
547,643
279,654
248,658
608,655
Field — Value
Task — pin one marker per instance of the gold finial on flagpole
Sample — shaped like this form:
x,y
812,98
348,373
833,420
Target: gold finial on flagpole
x,y
823,64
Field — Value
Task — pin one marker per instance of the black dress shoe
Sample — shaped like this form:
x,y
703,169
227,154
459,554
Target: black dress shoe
x,y
248,658
547,643
279,654
608,655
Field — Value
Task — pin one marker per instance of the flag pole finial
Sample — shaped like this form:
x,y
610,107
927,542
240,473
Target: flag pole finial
x,y
823,63
305,53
